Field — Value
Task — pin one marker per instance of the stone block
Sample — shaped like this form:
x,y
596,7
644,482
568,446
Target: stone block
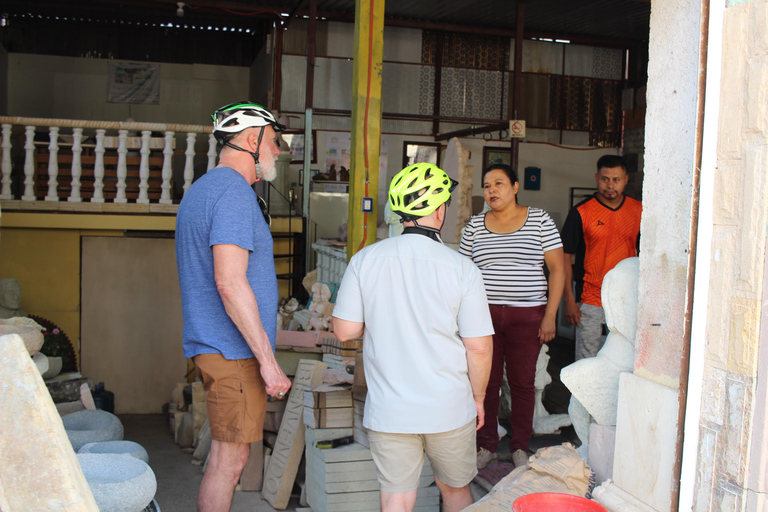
x,y
65,408
32,337
67,390
252,477
39,472
645,440
602,440
119,483
289,447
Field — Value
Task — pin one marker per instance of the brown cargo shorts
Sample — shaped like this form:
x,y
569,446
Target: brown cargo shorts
x,y
235,395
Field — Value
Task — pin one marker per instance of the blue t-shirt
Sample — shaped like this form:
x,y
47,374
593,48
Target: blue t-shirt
x,y
221,208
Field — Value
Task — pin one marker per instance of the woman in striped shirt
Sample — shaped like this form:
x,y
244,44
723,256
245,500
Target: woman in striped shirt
x,y
510,244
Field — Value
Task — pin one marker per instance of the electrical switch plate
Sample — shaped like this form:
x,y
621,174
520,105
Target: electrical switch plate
x,y
367,204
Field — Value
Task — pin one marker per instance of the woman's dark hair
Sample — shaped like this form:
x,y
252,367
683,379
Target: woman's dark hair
x,y
509,171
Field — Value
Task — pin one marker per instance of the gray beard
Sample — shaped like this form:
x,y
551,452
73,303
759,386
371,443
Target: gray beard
x,y
268,170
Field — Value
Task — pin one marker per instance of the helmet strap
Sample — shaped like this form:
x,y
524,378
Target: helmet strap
x,y
427,231
255,155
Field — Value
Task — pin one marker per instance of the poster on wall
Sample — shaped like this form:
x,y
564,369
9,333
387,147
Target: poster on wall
x,y
337,150
133,83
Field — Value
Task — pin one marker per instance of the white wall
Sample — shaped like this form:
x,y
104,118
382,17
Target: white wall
x,y
76,88
561,168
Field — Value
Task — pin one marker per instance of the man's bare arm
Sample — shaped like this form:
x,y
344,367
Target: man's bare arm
x,y
479,357
346,330
230,263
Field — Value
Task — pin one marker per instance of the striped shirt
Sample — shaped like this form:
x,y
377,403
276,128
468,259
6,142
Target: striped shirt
x,y
512,264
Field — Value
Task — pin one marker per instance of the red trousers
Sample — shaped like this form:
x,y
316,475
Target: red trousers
x,y
515,343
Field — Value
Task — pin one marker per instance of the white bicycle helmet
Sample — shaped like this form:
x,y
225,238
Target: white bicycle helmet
x,y
230,120
236,117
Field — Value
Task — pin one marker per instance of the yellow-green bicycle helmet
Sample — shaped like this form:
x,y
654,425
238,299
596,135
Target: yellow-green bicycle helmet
x,y
419,189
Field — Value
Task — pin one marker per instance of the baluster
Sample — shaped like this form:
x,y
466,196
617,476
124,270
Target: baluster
x,y
165,198
6,165
53,165
144,168
29,164
211,152
98,168
189,164
77,168
122,166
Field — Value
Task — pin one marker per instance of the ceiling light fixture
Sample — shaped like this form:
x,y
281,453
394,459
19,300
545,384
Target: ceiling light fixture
x,y
180,10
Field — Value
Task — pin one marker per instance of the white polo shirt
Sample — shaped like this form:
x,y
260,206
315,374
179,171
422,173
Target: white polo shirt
x,y
417,299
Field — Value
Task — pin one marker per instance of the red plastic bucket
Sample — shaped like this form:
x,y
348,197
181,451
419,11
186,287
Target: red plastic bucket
x,y
555,502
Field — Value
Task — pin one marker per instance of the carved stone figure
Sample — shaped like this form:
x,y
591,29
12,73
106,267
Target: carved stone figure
x,y
10,298
594,381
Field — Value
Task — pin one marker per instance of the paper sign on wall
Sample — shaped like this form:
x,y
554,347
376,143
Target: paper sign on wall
x,y
134,83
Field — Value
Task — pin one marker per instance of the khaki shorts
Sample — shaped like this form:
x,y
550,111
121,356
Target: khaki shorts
x,y
400,457
235,395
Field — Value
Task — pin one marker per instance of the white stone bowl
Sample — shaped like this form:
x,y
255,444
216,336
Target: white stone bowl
x,y
119,483
54,367
91,426
117,448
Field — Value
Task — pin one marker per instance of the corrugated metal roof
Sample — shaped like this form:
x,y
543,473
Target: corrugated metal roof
x,y
622,20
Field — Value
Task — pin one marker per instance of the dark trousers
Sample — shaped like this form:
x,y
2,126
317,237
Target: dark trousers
x,y
515,343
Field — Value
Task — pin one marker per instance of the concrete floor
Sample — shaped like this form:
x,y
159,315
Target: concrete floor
x,y
178,479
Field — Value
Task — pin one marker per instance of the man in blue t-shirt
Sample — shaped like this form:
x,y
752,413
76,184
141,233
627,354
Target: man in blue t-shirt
x,y
229,294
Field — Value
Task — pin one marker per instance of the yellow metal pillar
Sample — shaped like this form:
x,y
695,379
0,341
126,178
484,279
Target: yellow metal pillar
x,y
366,124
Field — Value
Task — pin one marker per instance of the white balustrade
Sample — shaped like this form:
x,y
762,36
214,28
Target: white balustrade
x,y
211,152
144,168
96,160
29,164
331,263
77,168
98,168
53,165
189,163
165,197
6,168
122,165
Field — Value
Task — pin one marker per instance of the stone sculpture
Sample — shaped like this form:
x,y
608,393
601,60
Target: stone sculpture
x,y
10,298
594,381
321,294
543,421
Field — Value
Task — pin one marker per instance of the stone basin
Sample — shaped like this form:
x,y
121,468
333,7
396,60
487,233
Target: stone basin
x,y
119,483
90,426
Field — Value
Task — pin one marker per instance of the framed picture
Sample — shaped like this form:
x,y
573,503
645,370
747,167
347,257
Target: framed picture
x,y
295,141
496,155
578,194
417,152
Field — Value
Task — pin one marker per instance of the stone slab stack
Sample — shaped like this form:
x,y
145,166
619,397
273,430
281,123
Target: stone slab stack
x,y
343,479
327,406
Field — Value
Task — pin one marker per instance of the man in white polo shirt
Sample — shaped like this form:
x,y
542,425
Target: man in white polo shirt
x,y
422,311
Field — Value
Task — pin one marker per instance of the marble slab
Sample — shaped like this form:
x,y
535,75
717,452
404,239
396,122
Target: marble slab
x,y
645,440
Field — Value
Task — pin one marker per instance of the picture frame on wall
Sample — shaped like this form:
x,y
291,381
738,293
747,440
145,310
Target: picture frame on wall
x,y
496,155
295,141
418,152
